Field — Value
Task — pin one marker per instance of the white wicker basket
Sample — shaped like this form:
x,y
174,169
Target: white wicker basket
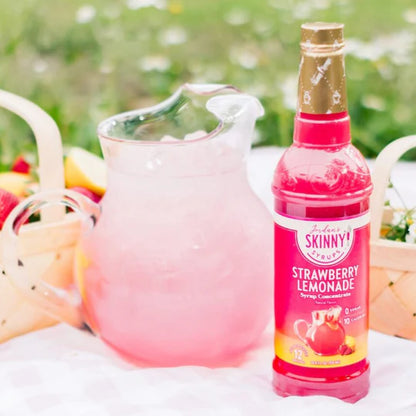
x,y
393,264
47,246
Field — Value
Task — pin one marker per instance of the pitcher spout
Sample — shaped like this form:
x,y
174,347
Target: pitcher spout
x,y
238,114
231,108
198,118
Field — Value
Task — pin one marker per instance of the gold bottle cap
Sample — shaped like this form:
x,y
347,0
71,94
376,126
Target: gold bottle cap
x,y
322,34
322,88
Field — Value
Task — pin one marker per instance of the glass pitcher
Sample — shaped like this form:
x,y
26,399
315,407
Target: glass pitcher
x,y
174,266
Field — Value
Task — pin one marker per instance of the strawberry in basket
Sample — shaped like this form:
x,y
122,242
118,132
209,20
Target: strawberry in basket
x,y
21,165
14,186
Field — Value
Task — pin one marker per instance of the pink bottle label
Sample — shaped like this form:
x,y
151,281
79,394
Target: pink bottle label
x,y
321,290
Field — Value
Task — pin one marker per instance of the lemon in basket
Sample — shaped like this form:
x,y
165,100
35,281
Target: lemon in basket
x,y
85,169
16,183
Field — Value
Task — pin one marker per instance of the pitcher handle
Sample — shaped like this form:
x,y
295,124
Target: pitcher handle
x,y
62,304
299,334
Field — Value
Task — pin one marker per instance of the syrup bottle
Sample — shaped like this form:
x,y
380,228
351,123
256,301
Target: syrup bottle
x,y
321,187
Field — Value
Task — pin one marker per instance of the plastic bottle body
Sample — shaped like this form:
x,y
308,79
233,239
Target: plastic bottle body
x,y
321,178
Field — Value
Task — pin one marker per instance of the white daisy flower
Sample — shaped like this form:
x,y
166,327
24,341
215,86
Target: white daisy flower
x,y
411,239
173,36
412,231
139,4
40,66
410,16
244,58
237,17
85,14
155,63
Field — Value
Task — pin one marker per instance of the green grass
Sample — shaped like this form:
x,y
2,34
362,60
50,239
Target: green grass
x,y
83,73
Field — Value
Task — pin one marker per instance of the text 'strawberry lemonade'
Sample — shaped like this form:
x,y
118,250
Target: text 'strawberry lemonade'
x,y
322,187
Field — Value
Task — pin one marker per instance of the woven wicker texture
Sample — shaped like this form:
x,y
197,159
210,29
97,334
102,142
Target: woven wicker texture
x,y
393,264
46,247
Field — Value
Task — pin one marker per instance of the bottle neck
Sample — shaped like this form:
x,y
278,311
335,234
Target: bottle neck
x,y
322,129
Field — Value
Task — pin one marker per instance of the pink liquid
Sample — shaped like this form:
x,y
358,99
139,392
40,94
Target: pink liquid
x,y
321,176
180,267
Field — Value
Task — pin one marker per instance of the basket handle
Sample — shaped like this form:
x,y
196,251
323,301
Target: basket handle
x,y
49,145
381,176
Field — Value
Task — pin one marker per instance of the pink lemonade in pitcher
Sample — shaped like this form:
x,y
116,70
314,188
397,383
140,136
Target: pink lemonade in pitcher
x,y
322,187
178,268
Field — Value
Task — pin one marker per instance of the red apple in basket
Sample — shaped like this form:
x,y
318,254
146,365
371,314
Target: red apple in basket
x,y
87,192
7,202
